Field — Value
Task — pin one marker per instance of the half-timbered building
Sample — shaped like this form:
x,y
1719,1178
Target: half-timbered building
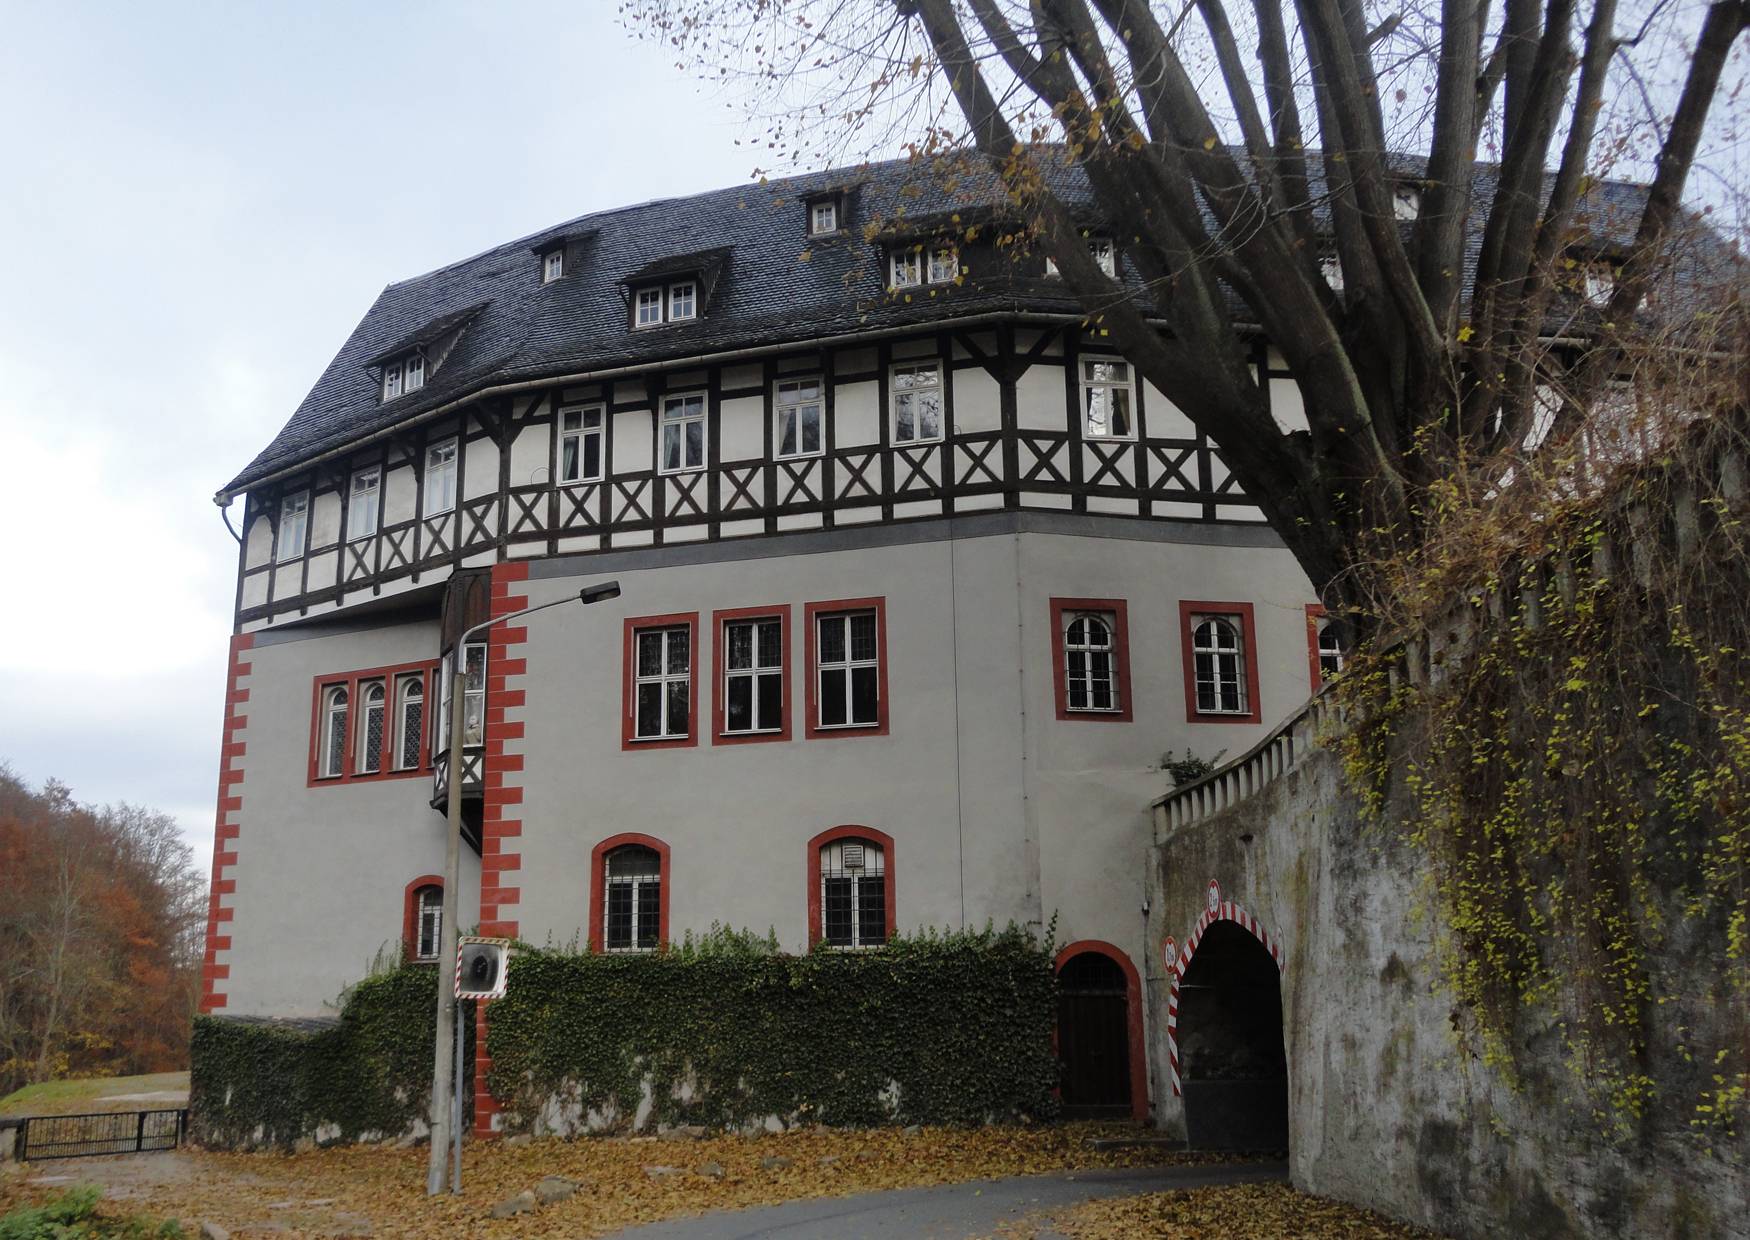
x,y
922,587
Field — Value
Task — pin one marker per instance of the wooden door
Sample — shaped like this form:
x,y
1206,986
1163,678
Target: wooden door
x,y
1093,1036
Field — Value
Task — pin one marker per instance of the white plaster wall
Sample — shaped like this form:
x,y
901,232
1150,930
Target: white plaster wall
x,y
743,430
1039,400
977,402
400,494
633,448
856,414
324,519
530,454
480,474
321,872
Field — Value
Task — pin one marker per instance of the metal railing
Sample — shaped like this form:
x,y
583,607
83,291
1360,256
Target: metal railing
x,y
109,1132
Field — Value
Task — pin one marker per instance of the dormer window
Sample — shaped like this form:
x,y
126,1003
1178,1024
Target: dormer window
x,y
683,301
1600,281
552,266
1101,250
649,312
906,267
391,380
414,373
1406,203
823,217
405,375
944,265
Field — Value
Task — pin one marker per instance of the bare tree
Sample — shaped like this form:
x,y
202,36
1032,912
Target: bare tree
x,y
1428,362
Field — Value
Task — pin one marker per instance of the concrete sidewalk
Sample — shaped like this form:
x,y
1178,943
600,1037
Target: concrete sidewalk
x,y
947,1211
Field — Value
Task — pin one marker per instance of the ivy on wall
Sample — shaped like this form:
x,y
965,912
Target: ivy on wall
x,y
935,1028
947,1029
258,1083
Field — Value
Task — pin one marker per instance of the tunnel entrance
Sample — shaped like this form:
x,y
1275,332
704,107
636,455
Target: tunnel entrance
x,y
1093,1036
1234,1071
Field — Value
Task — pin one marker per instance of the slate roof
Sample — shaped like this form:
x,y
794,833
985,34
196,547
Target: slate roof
x,y
772,283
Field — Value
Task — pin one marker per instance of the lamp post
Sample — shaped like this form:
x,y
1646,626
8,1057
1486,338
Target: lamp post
x,y
441,1080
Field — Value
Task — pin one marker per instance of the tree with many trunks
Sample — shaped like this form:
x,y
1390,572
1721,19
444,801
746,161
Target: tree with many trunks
x,y
1431,363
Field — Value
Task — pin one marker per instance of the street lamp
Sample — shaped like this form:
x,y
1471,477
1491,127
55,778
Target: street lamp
x,y
441,1080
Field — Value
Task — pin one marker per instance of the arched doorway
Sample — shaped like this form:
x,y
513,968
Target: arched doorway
x,y
1232,1066
1099,1033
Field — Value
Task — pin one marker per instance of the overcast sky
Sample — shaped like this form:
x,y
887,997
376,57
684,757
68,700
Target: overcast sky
x,y
197,202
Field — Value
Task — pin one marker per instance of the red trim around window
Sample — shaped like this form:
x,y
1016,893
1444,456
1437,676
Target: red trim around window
x,y
810,611
1116,608
1314,613
598,858
1241,612
871,835
427,671
1133,1016
410,914
719,695
629,681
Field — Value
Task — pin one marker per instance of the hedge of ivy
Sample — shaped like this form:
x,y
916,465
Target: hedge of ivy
x,y
933,1029
256,1083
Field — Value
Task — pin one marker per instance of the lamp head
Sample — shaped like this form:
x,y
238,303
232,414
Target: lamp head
x,y
599,592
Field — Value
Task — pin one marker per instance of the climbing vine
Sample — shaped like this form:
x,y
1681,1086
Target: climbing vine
x,y
936,1028
1561,713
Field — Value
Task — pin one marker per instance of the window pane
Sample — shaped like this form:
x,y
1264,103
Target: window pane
x,y
678,721
568,460
592,456
412,724
771,696
619,928
649,710
371,748
836,911
811,429
832,698
650,652
864,707
671,447
738,707
677,650
832,639
904,426
336,740
863,636
929,414
771,643
695,444
871,909
740,646
787,433
573,419
649,912
1120,410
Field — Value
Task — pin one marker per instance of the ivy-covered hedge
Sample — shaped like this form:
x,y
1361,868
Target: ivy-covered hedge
x,y
932,1029
258,1083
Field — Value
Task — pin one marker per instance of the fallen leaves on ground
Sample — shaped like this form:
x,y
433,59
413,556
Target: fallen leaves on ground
x,y
380,1191
1228,1212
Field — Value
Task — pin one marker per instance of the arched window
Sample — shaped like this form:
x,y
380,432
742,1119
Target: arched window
x,y
1089,664
1219,657
410,722
851,900
632,909
428,933
334,707
374,708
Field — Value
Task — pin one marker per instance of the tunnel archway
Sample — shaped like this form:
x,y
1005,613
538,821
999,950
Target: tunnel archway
x,y
1233,1065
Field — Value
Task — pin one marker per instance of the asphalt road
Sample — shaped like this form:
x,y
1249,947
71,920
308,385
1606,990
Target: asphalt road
x,y
945,1212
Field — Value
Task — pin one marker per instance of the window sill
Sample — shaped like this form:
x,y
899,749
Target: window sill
x,y
690,469
924,442
677,738
1091,437
581,482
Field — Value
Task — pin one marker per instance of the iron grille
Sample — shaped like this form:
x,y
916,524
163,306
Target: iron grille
x,y
115,1132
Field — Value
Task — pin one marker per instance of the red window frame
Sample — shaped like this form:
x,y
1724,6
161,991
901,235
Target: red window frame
x,y
629,681
1118,610
1314,613
889,887
598,861
1241,612
720,695
810,614
427,670
410,915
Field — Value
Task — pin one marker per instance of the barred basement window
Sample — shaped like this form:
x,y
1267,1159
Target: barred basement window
x,y
848,663
1219,657
753,676
1090,663
798,413
664,684
853,894
334,708
374,720
430,903
410,722
632,911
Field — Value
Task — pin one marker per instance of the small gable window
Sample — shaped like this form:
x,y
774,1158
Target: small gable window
x,y
552,266
906,267
823,217
1406,203
415,373
944,265
1101,250
649,313
391,380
